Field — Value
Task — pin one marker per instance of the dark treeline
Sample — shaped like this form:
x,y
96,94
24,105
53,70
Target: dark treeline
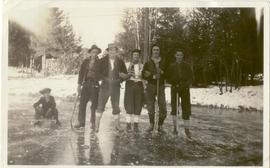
x,y
58,41
222,44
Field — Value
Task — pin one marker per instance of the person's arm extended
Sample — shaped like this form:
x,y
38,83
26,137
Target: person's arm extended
x,y
123,72
35,105
81,77
81,73
146,73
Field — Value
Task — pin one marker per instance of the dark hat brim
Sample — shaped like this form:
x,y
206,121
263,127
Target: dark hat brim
x,y
45,90
94,47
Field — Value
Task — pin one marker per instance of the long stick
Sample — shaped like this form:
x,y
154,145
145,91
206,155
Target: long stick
x,y
157,109
177,108
74,109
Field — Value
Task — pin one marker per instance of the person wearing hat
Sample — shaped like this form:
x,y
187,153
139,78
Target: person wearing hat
x,y
45,107
154,73
88,86
134,91
180,76
111,71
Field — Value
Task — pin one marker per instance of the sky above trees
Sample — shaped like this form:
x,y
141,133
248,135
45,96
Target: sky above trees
x,y
95,24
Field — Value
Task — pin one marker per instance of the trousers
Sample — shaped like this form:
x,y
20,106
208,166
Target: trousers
x,y
151,93
90,91
108,90
184,94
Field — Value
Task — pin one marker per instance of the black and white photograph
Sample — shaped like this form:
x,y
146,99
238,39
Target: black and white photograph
x,y
135,84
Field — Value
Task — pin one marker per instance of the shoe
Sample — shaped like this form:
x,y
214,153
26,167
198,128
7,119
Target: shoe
x,y
97,124
128,127
37,123
58,123
151,128
136,127
119,129
93,126
188,134
160,129
79,126
175,132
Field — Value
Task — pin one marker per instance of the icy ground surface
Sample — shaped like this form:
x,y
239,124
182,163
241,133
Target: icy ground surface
x,y
220,137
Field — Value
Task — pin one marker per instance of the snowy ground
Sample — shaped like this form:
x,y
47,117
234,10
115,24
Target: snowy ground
x,y
221,136
64,86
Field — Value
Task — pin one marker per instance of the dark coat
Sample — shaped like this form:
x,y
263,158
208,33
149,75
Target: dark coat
x,y
179,73
105,73
88,73
151,67
46,105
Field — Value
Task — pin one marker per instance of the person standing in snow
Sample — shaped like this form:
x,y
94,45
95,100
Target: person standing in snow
x,y
153,72
45,107
179,75
111,71
134,91
88,86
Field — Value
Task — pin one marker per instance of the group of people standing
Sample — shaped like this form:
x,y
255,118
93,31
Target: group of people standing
x,y
100,79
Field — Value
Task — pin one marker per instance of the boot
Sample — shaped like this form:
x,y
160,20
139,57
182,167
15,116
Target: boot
x,y
58,123
175,125
93,125
136,127
79,126
186,126
93,120
128,127
187,132
160,129
151,128
117,122
98,118
37,123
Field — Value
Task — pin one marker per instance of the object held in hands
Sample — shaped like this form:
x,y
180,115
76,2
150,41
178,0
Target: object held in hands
x,y
147,73
79,89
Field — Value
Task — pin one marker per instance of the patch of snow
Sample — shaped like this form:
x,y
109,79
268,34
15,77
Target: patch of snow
x,y
64,86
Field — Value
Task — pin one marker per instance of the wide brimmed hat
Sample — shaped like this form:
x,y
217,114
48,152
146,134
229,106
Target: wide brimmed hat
x,y
94,47
45,90
112,45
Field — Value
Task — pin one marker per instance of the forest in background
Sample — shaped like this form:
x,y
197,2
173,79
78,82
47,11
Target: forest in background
x,y
224,46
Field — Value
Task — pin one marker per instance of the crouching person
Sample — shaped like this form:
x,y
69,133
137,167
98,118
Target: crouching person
x,y
180,76
134,91
45,107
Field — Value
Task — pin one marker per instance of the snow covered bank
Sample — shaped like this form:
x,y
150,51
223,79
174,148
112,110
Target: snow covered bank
x,y
64,86
250,97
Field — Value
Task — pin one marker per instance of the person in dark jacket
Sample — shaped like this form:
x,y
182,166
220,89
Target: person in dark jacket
x,y
180,76
88,86
153,72
111,71
45,107
134,91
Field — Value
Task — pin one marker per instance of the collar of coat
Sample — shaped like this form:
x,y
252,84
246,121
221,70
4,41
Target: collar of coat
x,y
156,60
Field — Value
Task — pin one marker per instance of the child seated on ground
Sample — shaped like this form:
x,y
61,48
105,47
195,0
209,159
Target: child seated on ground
x,y
45,107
